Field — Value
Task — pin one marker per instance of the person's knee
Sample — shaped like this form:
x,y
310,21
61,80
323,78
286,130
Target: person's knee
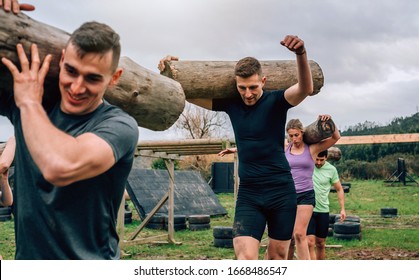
x,y
311,241
320,243
299,236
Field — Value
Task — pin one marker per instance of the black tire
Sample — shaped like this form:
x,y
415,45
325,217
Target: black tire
x,y
222,232
333,190
178,227
199,219
5,210
128,215
345,189
127,221
4,218
353,219
177,219
347,236
388,212
346,184
223,242
158,219
195,227
159,226
332,218
330,231
347,228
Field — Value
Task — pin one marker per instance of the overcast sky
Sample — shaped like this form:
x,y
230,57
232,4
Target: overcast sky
x,y
368,50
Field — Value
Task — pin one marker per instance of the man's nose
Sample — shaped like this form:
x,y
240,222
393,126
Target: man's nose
x,y
78,86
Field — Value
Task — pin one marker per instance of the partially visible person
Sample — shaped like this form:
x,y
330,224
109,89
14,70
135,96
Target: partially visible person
x,y
6,159
266,193
301,158
73,158
325,176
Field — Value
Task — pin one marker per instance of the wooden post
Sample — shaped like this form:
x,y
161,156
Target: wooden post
x,y
155,101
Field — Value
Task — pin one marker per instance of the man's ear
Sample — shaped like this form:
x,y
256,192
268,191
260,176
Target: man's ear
x,y
116,76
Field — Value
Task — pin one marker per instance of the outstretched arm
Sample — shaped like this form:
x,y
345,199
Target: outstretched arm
x,y
341,199
304,87
325,144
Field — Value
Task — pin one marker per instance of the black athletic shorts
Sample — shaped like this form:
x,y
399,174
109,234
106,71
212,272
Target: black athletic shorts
x,y
306,198
257,206
319,225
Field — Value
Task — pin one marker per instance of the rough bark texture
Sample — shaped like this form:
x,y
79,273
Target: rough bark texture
x,y
155,101
215,79
318,130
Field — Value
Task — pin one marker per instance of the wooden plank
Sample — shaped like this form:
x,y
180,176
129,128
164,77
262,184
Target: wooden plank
x,y
379,139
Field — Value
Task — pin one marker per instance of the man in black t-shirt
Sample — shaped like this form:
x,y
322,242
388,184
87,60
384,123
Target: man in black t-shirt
x,y
266,192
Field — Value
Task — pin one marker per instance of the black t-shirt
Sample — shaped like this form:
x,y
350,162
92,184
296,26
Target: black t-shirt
x,y
77,221
259,132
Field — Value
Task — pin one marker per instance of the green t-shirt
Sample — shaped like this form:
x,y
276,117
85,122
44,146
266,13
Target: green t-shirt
x,y
323,180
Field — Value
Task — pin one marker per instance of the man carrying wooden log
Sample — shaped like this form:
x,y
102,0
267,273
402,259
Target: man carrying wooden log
x,y
267,192
73,159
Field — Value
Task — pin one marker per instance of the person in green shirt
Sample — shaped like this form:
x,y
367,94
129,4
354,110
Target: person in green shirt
x,y
325,176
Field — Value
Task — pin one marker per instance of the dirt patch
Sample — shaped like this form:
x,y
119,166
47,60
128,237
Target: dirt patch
x,y
377,254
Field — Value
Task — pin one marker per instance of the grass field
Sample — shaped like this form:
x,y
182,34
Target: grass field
x,y
382,238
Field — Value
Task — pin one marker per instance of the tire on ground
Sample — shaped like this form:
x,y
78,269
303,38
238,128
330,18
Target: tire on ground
x,y
347,236
347,228
199,219
223,242
220,232
388,212
195,227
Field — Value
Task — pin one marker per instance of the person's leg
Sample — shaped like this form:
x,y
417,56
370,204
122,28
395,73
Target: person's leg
x,y
304,213
291,249
246,248
322,230
281,212
311,241
249,224
320,248
277,249
311,235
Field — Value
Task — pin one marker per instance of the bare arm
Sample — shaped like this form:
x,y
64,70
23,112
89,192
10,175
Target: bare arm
x,y
6,159
325,144
227,151
304,87
341,197
62,158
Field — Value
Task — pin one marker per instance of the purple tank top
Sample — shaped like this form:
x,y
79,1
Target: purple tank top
x,y
302,167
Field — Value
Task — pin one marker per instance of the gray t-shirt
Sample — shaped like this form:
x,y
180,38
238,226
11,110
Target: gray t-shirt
x,y
77,221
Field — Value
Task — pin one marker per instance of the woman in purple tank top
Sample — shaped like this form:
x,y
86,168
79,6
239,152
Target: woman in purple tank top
x,y
301,158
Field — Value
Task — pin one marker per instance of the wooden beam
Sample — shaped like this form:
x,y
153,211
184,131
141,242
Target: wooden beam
x,y
379,139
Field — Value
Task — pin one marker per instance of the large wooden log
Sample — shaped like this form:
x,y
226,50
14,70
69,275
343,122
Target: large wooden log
x,y
215,79
155,101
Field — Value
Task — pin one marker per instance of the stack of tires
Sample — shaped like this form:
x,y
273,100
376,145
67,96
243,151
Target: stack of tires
x,y
156,222
223,237
5,213
388,212
179,222
128,214
332,220
199,222
349,229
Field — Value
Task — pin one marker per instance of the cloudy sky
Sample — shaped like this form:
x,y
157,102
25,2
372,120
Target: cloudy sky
x,y
368,50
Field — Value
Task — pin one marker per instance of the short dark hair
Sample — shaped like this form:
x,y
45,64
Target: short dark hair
x,y
247,67
95,37
323,154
